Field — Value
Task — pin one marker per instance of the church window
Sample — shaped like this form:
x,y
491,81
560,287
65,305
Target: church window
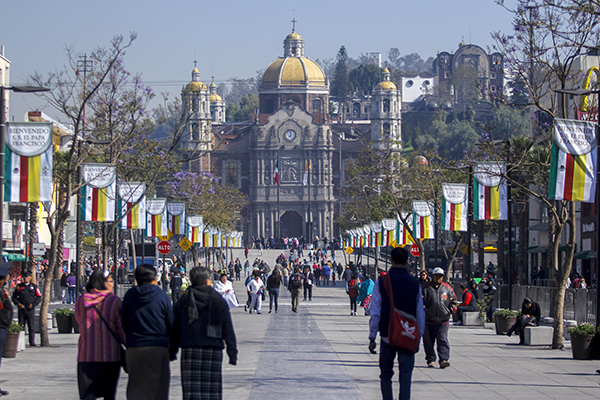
x,y
231,173
195,132
493,88
293,51
316,105
446,74
493,75
386,105
386,130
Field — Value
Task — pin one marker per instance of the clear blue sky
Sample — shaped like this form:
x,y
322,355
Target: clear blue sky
x,y
231,38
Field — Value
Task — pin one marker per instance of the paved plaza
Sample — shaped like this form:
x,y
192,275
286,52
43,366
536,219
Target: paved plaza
x,y
321,353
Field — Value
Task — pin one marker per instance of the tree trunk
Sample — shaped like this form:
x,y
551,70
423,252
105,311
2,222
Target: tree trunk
x,y
501,253
481,250
422,257
32,238
452,256
195,254
562,274
59,253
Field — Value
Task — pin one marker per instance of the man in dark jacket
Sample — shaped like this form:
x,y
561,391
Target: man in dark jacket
x,y
530,316
440,302
309,281
147,318
489,291
27,297
202,327
6,310
176,282
406,292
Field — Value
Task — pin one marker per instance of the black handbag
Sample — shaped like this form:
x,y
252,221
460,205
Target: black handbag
x,y
121,344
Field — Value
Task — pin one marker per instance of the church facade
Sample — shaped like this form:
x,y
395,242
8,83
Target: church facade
x,y
291,133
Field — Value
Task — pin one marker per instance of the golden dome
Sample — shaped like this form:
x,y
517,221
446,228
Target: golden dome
x,y
294,36
213,85
386,71
195,86
293,71
215,98
386,85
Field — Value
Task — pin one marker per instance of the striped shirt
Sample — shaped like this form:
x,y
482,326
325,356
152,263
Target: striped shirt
x,y
96,343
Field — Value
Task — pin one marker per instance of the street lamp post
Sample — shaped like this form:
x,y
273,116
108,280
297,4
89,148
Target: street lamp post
x,y
3,89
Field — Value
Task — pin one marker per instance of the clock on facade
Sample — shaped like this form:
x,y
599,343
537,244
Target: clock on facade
x,y
290,134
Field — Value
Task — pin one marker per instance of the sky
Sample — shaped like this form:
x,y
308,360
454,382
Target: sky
x,y
230,38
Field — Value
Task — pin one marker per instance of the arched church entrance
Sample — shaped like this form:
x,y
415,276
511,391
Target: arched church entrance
x,y
291,224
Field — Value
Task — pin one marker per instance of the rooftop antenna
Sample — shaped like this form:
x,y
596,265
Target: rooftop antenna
x,y
470,39
195,61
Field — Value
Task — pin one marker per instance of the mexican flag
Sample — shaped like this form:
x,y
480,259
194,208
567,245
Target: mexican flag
x,y
156,222
135,214
276,176
574,161
490,193
28,163
455,199
423,220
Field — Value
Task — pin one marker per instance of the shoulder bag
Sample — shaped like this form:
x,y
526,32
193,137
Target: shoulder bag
x,y
403,329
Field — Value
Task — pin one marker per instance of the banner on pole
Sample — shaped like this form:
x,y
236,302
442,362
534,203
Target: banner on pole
x,y
455,199
176,211
490,192
134,214
156,221
99,192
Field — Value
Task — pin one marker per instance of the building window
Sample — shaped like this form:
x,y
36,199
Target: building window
x,y
386,130
493,88
231,173
316,105
492,75
446,74
386,105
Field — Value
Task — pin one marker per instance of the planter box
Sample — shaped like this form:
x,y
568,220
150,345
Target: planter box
x,y
64,323
503,324
581,346
11,344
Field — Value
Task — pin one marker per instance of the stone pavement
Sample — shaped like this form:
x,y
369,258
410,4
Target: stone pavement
x,y
321,353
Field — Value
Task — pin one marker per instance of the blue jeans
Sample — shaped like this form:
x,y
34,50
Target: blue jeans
x,y
72,295
273,295
406,363
436,333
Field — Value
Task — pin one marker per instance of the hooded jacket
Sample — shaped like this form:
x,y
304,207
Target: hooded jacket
x,y
147,316
202,319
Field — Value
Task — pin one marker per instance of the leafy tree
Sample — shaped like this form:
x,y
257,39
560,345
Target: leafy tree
x,y
364,78
548,37
340,85
465,81
244,111
113,128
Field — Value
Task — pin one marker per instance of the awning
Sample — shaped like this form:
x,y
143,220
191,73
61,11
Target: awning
x,y
585,255
14,256
564,247
538,249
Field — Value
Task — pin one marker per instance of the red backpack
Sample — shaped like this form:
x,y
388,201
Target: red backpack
x,y
403,331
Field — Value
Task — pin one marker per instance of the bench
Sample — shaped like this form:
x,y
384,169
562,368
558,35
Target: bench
x,y
538,335
471,318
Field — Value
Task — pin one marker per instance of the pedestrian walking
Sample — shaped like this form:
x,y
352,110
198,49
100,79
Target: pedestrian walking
x,y
440,302
365,293
295,287
147,318
202,328
98,350
27,297
255,288
6,311
407,297
353,292
273,284
176,282
308,280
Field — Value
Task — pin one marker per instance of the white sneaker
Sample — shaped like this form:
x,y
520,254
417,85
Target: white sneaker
x,y
458,323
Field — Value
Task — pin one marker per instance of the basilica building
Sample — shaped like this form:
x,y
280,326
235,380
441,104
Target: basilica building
x,y
291,132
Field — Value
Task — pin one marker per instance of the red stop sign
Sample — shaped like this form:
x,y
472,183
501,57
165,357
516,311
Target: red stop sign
x,y
414,250
164,247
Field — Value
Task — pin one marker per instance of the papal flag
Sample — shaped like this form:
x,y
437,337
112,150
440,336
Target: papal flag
x,y
574,161
206,236
423,227
403,235
176,211
194,226
306,172
455,200
156,222
367,233
132,205
490,200
98,192
28,162
377,236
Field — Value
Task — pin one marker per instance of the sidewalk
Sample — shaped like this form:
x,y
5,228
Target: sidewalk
x,y
321,353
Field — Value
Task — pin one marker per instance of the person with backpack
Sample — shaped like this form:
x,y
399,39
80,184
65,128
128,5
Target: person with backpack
x,y
295,288
352,292
469,303
407,297
176,282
